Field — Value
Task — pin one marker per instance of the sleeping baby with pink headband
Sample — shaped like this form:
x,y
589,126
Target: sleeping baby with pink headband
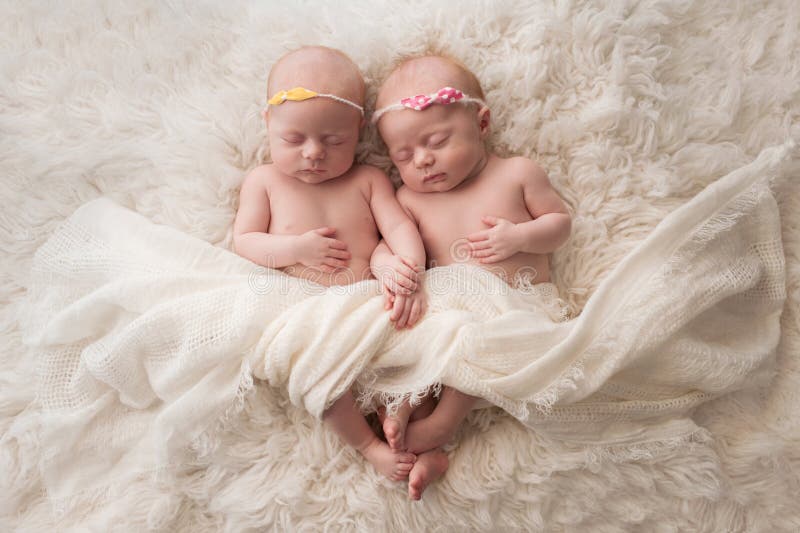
x,y
469,205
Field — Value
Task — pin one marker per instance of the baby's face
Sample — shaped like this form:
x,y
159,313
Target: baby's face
x,y
438,148
313,140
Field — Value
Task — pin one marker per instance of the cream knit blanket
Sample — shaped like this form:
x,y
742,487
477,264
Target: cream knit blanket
x,y
146,336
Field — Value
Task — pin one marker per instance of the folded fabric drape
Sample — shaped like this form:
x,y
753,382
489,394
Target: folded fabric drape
x,y
147,337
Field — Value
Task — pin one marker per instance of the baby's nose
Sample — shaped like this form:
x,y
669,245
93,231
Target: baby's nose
x,y
313,150
423,158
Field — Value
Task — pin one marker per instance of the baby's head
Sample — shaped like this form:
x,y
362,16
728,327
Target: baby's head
x,y
441,145
314,138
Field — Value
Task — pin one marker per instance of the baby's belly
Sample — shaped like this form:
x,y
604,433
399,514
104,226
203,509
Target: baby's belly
x,y
357,270
532,268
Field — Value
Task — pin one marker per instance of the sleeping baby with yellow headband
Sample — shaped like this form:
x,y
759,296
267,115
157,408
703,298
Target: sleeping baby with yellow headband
x,y
314,214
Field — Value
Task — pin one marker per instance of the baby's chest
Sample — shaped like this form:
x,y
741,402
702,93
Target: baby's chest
x,y
446,217
295,210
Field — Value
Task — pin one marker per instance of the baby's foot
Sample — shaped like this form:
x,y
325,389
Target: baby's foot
x,y
394,427
394,465
429,467
427,433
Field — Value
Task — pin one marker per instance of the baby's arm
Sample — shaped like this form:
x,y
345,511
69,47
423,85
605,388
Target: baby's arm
x,y
549,229
251,240
397,259
395,226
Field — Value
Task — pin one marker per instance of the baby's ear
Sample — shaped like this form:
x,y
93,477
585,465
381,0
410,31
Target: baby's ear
x,y
484,121
265,114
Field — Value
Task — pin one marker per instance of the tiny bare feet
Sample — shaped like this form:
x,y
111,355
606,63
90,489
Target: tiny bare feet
x,y
427,434
429,467
394,465
394,426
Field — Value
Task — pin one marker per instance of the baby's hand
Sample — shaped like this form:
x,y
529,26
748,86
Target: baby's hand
x,y
316,248
398,275
408,309
499,242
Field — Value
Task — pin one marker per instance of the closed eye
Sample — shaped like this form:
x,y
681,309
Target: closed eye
x,y
333,141
292,139
437,141
402,155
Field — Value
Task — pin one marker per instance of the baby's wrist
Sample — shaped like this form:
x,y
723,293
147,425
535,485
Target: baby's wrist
x,y
519,238
296,250
410,262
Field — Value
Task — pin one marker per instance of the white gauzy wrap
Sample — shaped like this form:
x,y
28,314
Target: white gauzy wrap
x,y
147,337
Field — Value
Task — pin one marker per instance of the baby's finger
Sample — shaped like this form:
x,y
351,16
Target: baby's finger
x,y
491,259
397,307
401,311
411,264
478,236
406,284
409,309
407,272
480,245
339,254
483,253
325,230
403,320
336,243
403,290
415,311
391,284
387,288
333,262
326,268
389,298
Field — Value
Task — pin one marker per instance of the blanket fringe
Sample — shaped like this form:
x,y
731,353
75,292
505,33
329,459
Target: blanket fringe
x,y
643,451
368,399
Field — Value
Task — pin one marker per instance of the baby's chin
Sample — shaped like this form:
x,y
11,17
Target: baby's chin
x,y
443,184
314,176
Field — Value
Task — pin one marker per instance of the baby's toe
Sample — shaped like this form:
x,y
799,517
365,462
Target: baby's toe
x,y
407,458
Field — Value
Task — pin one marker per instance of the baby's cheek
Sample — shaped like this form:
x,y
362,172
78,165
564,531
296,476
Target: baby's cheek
x,y
281,159
408,178
459,156
344,160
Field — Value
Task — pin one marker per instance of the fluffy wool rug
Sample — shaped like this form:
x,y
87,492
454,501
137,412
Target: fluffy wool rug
x,y
632,108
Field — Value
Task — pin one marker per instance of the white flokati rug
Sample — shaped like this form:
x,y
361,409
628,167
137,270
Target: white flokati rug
x,y
631,107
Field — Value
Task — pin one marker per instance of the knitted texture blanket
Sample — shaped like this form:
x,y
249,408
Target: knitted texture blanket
x,y
147,337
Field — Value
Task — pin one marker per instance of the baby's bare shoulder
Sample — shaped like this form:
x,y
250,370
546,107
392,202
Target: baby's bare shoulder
x,y
367,173
255,181
521,172
523,169
369,179
406,196
260,177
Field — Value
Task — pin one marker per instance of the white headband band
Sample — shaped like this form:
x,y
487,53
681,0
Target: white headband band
x,y
298,94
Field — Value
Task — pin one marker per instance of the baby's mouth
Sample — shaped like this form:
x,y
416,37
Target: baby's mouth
x,y
433,177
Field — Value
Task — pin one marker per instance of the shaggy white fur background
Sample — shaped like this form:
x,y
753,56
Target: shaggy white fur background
x,y
632,107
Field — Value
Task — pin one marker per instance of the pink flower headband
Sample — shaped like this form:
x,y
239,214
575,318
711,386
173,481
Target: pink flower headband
x,y
446,95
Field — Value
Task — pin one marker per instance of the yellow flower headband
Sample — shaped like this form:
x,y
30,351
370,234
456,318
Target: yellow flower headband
x,y
298,94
